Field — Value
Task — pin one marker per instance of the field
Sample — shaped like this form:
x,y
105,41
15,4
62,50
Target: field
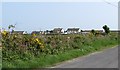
x,y
39,51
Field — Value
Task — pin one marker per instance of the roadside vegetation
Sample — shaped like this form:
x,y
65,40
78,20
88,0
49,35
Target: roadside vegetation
x,y
39,51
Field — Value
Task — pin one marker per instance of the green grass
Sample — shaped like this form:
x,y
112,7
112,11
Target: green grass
x,y
49,60
0,58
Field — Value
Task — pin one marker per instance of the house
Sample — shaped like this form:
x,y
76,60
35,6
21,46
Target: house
x,y
42,32
18,32
58,30
37,32
48,32
115,31
88,31
25,32
73,30
99,31
85,31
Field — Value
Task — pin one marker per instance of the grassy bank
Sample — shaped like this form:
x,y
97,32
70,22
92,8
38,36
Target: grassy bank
x,y
89,44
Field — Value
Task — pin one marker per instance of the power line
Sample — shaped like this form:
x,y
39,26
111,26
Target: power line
x,y
111,4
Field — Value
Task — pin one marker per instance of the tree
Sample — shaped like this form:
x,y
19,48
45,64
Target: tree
x,y
81,30
93,31
11,28
106,29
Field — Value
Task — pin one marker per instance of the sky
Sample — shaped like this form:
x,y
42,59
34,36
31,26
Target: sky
x,y
59,0
30,16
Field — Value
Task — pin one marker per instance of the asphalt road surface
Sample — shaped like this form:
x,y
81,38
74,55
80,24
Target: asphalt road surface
x,y
104,59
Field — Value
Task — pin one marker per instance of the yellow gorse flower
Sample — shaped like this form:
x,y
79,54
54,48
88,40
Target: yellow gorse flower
x,y
15,36
38,41
34,34
4,33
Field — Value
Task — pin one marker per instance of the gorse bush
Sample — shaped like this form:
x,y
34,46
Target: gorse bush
x,y
20,45
26,47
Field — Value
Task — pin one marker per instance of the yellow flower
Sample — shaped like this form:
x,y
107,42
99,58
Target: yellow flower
x,y
37,40
4,33
15,36
34,34
40,43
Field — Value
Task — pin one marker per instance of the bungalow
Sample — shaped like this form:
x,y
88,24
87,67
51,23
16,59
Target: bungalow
x,y
58,30
88,31
115,31
35,32
25,32
42,32
48,32
18,32
73,30
99,31
85,31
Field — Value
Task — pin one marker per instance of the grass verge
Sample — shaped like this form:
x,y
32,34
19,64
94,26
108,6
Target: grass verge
x,y
51,60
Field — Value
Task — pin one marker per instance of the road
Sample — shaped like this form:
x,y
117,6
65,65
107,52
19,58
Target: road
x,y
107,58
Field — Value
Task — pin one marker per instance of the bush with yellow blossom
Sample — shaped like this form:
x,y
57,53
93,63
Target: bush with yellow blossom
x,y
16,45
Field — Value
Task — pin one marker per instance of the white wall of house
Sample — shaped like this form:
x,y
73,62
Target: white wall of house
x,y
69,32
25,32
62,31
